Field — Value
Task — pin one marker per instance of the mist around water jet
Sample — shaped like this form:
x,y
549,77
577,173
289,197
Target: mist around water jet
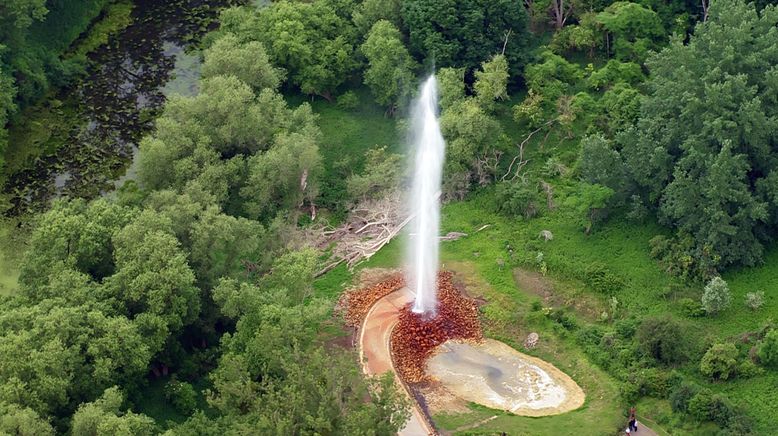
x,y
428,150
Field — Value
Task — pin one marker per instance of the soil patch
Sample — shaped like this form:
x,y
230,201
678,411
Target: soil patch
x,y
554,295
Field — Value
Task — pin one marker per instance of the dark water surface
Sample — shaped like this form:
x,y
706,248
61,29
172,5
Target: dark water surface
x,y
116,104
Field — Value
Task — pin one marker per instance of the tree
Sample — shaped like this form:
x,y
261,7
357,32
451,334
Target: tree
x,y
381,175
390,67
635,29
600,163
473,137
768,349
459,33
590,204
104,417
716,296
369,12
248,62
491,82
309,40
720,361
663,340
284,178
451,86
22,421
698,153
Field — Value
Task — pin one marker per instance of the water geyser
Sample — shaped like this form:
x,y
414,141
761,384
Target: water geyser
x,y
428,149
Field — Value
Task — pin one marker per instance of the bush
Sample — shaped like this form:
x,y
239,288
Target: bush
x,y
182,395
599,278
653,382
747,369
348,101
700,405
691,308
768,349
682,395
663,339
754,300
716,296
720,361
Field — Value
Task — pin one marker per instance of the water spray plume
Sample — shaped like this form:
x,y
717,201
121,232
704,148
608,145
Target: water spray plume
x,y
428,149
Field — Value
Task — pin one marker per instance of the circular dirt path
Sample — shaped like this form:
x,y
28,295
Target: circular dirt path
x,y
376,357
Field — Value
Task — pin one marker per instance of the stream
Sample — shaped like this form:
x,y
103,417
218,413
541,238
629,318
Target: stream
x,y
93,127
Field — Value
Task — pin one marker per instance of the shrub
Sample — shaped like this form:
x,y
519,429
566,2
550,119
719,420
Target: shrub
x,y
653,382
691,308
663,339
720,361
716,296
700,405
768,349
682,395
754,300
747,369
348,101
182,395
599,278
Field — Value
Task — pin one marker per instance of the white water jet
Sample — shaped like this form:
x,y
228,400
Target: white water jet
x,y
428,148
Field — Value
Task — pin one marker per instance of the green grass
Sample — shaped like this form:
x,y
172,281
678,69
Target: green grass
x,y
11,252
347,135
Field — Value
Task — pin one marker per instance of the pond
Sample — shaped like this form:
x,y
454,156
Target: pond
x,y
85,137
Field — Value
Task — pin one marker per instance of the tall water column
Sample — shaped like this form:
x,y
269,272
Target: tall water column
x,y
428,149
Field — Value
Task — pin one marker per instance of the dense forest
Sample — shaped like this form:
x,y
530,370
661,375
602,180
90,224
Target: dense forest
x,y
621,154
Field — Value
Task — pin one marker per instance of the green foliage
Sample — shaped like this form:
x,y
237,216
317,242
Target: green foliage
x,y
552,76
21,421
601,164
248,62
616,72
635,29
472,137
720,361
310,40
182,396
519,198
601,279
586,35
381,175
284,177
768,349
369,12
716,296
663,339
682,395
105,417
461,33
390,67
451,84
590,204
710,181
491,82
348,101
754,300
691,308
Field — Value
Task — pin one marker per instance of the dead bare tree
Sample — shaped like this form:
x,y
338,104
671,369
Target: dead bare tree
x,y
520,156
705,6
561,12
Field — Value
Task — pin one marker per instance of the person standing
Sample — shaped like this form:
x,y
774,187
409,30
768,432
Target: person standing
x,y
633,420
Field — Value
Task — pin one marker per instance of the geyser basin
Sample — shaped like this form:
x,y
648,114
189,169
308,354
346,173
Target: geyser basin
x,y
495,375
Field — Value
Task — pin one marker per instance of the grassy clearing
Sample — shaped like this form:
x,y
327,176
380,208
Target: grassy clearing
x,y
348,134
11,251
